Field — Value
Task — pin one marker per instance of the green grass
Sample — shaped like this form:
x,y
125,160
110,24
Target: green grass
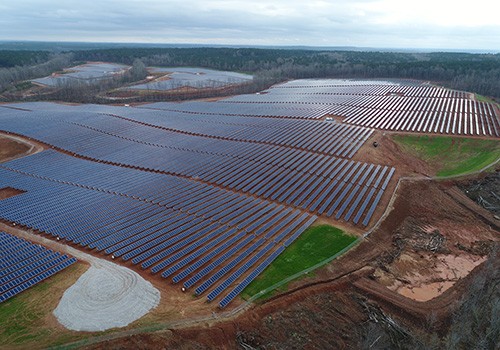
x,y
23,318
452,155
482,98
316,244
17,317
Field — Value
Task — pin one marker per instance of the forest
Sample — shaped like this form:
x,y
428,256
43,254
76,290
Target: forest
x,y
479,73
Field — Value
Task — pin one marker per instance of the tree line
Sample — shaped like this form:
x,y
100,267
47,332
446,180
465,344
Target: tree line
x,y
478,73
10,76
12,58
471,72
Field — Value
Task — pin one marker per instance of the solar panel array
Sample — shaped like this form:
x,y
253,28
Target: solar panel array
x,y
177,77
86,73
397,106
321,184
423,114
24,264
167,224
272,110
326,138
205,194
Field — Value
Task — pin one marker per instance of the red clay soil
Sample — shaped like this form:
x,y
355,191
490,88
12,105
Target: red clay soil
x,y
325,311
297,322
14,146
10,148
389,153
8,192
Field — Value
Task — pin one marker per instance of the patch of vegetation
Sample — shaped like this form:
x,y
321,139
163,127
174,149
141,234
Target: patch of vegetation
x,y
316,244
12,58
23,318
451,155
23,85
482,98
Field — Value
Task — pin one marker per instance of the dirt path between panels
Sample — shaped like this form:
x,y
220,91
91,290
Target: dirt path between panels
x,y
105,296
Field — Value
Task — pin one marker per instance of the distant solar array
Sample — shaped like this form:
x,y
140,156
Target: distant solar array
x,y
24,264
86,73
289,110
397,105
178,77
314,83
365,87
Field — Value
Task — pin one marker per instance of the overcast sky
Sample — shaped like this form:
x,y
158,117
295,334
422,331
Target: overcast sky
x,y
445,24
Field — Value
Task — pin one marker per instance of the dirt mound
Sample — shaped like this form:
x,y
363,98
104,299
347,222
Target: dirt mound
x,y
390,153
106,296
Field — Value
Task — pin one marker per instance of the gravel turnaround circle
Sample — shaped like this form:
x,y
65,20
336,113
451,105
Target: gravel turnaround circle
x,y
106,296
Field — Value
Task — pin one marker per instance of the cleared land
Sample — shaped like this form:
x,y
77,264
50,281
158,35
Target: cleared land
x,y
10,148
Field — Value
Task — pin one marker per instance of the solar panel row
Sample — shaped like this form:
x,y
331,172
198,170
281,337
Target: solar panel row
x,y
227,108
444,116
367,88
24,264
213,130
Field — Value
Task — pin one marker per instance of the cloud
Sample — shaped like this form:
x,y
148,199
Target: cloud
x,y
372,23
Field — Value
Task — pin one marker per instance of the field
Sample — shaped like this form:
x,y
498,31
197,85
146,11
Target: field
x,y
27,318
452,156
210,203
315,245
